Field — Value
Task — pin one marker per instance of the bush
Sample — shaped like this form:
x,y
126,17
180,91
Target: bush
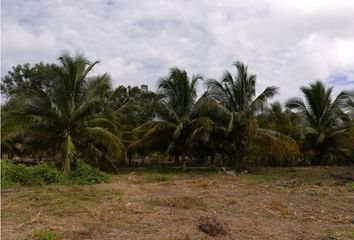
x,y
48,173
12,174
20,174
84,174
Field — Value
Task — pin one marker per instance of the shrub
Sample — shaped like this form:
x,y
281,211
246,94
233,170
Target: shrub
x,y
48,173
12,174
20,174
85,174
6,181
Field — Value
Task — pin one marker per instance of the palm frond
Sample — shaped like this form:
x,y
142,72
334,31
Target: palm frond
x,y
277,144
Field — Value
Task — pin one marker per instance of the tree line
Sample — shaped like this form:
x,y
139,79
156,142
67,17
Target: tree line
x,y
62,112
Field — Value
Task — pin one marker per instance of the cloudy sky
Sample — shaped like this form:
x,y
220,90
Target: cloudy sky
x,y
286,43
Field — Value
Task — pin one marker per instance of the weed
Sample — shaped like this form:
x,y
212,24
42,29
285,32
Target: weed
x,y
84,174
118,196
46,234
350,186
19,174
318,192
331,235
13,175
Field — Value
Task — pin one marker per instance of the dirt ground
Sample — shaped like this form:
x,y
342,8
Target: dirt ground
x,y
274,203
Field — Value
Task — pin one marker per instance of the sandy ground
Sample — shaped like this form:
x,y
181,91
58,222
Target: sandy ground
x,y
300,203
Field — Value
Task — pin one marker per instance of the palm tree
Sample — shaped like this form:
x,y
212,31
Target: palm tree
x,y
234,106
177,122
275,117
66,118
128,108
327,120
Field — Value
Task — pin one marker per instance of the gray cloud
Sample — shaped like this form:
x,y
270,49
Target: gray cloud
x,y
287,43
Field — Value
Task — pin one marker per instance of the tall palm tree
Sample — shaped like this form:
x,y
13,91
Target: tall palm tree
x,y
66,118
235,106
176,121
327,120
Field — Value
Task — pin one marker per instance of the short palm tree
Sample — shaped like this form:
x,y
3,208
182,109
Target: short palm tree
x,y
176,121
235,107
66,118
327,120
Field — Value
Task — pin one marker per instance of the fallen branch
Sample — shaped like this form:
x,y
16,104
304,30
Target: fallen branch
x,y
33,220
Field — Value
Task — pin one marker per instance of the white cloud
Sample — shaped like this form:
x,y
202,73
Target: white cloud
x,y
287,43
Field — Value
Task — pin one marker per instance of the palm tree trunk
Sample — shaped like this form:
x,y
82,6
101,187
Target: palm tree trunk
x,y
176,161
184,162
319,157
239,161
212,159
125,157
130,156
230,159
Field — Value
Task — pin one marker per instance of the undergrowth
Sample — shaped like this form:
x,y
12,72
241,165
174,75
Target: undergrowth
x,y
13,175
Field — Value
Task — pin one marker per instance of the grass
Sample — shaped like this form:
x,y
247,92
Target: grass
x,y
118,196
340,233
157,174
350,186
318,192
58,200
183,202
259,178
152,177
169,201
45,234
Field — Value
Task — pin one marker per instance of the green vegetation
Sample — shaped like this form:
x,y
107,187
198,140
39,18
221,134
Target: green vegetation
x,y
84,174
19,174
328,121
350,186
64,115
138,203
46,234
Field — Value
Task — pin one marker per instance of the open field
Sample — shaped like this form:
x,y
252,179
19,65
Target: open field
x,y
296,203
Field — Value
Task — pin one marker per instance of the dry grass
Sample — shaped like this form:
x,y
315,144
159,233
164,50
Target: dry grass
x,y
301,203
183,202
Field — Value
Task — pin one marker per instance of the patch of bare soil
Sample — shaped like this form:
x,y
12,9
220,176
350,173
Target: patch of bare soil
x,y
211,226
299,203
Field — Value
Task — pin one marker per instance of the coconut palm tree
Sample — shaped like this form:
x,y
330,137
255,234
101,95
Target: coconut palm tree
x,y
234,106
128,108
66,118
176,123
327,120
